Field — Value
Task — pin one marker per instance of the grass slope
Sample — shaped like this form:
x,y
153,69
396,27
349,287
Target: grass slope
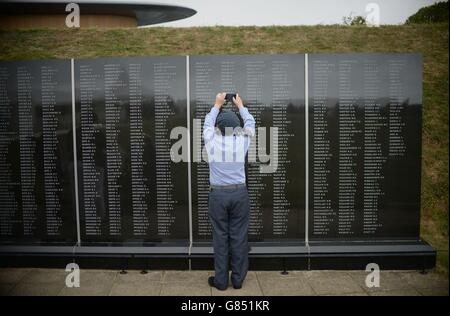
x,y
430,40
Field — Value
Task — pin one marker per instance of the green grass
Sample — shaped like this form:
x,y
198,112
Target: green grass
x,y
430,40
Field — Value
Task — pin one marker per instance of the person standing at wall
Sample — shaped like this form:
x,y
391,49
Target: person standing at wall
x,y
227,143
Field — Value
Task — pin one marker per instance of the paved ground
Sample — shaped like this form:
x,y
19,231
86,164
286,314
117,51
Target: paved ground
x,y
184,283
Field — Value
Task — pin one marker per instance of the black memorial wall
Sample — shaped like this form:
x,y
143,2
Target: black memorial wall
x,y
365,146
37,199
130,190
274,91
362,132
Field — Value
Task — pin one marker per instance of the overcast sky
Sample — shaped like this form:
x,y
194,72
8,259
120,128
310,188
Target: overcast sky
x,y
289,12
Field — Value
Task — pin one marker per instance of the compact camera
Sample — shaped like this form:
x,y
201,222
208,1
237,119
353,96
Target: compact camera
x,y
229,97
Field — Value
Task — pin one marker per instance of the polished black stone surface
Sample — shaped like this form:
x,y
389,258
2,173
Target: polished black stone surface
x,y
272,87
365,146
130,190
364,142
36,153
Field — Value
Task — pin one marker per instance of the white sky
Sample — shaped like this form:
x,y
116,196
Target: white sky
x,y
289,12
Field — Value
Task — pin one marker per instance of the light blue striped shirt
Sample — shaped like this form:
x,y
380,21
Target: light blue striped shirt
x,y
226,154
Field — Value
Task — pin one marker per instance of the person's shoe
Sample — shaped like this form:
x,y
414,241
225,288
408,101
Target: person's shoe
x,y
212,284
237,287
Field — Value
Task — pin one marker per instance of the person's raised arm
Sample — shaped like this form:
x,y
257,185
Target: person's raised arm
x,y
210,118
249,121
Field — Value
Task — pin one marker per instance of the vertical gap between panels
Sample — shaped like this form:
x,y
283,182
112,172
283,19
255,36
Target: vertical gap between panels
x,y
188,114
74,135
306,155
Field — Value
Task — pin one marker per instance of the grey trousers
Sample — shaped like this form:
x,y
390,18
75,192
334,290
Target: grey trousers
x,y
229,212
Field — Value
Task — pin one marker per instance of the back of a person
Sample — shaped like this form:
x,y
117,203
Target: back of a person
x,y
227,160
227,143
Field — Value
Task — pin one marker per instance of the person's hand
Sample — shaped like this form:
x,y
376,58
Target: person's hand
x,y
238,101
220,100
